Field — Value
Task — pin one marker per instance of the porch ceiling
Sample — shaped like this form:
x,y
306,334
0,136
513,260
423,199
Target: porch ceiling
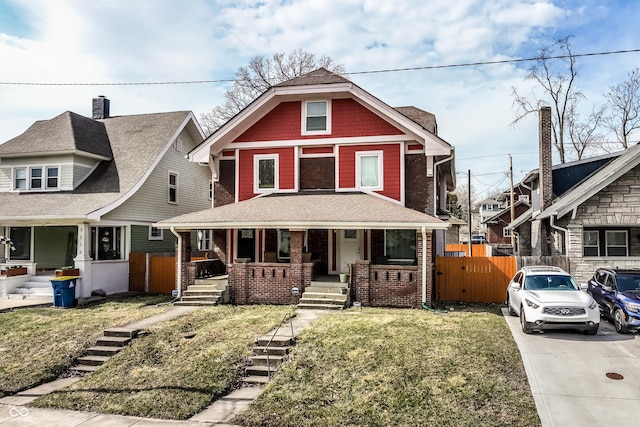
x,y
305,211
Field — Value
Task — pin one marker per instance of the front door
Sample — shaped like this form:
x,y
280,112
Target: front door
x,y
349,242
247,244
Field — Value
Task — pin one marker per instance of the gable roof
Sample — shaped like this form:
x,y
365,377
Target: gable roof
x,y
311,210
67,133
504,211
592,185
320,82
137,143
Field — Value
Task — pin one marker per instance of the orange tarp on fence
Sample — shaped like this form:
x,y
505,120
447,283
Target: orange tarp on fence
x,y
477,279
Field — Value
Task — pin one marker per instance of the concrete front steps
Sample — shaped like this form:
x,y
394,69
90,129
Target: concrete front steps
x,y
113,340
36,287
324,296
265,361
206,292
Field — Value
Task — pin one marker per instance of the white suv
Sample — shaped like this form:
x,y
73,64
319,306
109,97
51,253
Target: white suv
x,y
549,298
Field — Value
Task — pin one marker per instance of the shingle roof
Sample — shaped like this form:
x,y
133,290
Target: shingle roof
x,y
135,141
592,185
314,210
424,118
64,133
316,77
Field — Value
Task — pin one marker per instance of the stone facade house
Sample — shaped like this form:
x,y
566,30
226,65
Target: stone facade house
x,y
317,179
594,221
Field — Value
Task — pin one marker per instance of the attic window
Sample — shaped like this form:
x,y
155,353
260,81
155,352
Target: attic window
x,y
316,118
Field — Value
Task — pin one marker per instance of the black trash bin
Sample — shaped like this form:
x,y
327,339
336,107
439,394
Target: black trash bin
x,y
64,291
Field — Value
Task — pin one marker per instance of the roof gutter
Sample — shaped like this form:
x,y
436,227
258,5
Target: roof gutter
x,y
563,230
179,262
435,182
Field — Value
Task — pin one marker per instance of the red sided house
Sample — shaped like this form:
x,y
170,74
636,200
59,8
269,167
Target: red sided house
x,y
317,179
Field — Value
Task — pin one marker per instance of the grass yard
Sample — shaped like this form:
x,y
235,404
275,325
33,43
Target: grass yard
x,y
165,375
39,344
377,367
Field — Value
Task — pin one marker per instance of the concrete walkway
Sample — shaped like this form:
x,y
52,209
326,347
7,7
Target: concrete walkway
x,y
14,412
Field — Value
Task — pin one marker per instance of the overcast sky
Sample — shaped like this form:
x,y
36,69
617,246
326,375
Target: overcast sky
x,y
118,41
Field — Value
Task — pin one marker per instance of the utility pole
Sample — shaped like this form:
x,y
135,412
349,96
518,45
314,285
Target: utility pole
x,y
469,211
513,210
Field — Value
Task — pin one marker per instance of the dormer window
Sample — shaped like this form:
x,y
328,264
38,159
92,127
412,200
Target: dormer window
x,y
36,178
316,118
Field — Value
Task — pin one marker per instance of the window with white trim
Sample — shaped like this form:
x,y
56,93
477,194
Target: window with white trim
x,y
523,197
20,178
605,242
173,187
35,179
590,243
205,237
316,118
52,176
107,243
155,233
400,245
369,170
265,173
506,232
210,189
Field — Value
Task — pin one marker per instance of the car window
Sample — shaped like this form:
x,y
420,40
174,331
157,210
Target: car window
x,y
629,283
517,278
601,277
608,281
550,282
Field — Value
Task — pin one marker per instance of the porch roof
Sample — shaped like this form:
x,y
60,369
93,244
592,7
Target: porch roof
x,y
305,211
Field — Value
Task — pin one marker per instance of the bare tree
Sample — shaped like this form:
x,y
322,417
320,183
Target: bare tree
x,y
555,70
259,75
624,108
584,134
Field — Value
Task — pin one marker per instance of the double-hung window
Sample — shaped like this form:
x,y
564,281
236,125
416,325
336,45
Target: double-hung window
x,y
316,118
205,237
155,233
616,243
605,242
20,179
369,170
591,243
173,187
266,173
35,181
52,176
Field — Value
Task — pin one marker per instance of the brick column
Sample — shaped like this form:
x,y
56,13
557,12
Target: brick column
x,y
183,257
220,245
295,251
239,281
360,281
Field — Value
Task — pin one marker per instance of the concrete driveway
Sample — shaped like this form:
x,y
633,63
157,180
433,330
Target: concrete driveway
x,y
568,371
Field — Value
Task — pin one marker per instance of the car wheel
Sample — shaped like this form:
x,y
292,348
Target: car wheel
x,y
618,321
512,312
593,330
526,327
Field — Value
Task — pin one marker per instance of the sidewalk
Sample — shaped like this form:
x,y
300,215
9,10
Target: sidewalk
x,y
13,411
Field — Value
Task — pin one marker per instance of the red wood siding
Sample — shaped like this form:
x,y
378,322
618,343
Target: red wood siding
x,y
391,173
286,170
348,119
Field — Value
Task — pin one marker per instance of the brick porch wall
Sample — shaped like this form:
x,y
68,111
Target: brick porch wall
x,y
267,283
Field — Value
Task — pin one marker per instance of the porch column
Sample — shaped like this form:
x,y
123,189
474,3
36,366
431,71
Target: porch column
x,y
83,261
296,243
183,256
220,245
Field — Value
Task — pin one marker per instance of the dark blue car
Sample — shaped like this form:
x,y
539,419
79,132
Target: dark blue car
x,y
617,292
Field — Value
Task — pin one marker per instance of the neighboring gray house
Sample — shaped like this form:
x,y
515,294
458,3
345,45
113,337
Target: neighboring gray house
x,y
84,192
595,218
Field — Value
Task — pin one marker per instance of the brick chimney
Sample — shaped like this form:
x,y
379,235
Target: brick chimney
x,y
544,135
100,107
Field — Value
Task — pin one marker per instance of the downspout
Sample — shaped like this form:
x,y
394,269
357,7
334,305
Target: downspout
x,y
424,265
563,230
179,256
435,184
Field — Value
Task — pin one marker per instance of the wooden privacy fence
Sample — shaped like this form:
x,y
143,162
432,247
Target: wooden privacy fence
x,y
474,279
479,250
161,270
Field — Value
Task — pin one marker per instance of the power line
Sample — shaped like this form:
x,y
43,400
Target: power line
x,y
390,70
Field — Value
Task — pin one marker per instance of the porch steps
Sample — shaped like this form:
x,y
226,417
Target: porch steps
x,y
112,342
206,292
265,361
35,287
324,296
